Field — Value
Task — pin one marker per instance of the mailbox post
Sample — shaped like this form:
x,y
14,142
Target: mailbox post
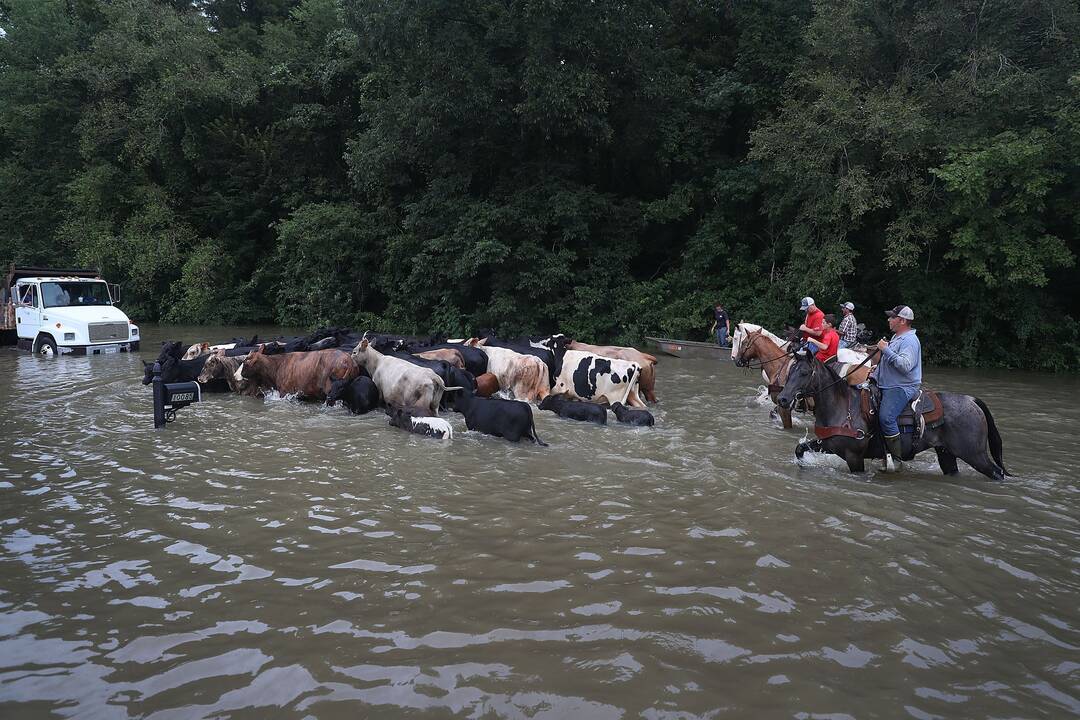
x,y
170,397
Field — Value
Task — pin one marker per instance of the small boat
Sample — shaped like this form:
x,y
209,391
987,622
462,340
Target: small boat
x,y
691,348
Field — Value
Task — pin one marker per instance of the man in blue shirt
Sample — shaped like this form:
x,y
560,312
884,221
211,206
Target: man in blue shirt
x,y
899,375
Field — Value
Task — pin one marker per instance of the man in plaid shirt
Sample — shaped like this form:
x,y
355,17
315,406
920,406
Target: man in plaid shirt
x,y
849,329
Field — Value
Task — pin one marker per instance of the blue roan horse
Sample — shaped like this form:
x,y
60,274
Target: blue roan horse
x,y
966,429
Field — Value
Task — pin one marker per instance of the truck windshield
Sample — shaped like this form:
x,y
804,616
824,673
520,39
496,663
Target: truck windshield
x,y
68,294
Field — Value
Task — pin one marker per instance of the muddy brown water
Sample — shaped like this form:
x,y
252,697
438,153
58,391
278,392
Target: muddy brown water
x,y
277,559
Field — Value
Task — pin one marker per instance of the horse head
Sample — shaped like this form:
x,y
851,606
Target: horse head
x,y
801,379
744,342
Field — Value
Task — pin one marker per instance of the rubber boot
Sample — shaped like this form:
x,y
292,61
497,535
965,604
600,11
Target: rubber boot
x,y
894,457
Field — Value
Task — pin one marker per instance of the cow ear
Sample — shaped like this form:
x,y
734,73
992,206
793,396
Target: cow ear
x,y
364,344
481,341
259,350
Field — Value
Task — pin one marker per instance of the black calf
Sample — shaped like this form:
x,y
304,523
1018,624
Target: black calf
x,y
631,416
574,409
359,394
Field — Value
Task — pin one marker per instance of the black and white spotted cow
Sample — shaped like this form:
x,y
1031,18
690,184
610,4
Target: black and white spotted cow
x,y
598,379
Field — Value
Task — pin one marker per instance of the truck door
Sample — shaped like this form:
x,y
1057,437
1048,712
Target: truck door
x,y
27,311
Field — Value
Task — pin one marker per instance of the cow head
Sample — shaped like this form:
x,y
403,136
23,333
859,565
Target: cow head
x,y
337,388
148,372
364,354
213,368
253,365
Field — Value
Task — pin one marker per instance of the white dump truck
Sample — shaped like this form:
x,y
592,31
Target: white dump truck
x,y
51,311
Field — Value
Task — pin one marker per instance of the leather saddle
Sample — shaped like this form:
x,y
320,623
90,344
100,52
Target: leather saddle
x,y
924,410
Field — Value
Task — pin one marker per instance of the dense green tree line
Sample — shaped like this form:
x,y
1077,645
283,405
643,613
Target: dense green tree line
x,y
605,168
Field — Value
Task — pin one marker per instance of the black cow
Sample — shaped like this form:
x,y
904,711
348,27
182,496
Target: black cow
x,y
631,416
173,370
574,409
359,394
421,425
510,419
476,360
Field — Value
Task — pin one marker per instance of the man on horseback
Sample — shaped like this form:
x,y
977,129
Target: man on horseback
x,y
811,327
849,326
899,375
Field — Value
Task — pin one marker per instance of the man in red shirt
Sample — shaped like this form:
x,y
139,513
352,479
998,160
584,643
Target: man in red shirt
x,y
811,327
829,341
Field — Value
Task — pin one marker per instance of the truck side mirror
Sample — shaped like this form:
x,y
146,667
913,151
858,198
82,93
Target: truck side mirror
x,y
114,288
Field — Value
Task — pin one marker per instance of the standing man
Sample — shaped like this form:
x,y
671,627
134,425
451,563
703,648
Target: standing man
x,y
811,328
899,375
723,325
849,326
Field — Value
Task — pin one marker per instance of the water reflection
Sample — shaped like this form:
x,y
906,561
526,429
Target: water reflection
x,y
270,557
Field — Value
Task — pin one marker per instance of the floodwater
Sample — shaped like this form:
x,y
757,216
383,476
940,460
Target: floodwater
x,y
277,559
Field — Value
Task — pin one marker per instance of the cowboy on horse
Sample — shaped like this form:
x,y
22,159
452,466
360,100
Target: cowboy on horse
x,y
899,376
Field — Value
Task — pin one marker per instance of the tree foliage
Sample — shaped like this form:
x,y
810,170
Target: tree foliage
x,y
607,169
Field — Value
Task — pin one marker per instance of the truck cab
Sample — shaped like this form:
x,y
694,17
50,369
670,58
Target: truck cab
x,y
66,311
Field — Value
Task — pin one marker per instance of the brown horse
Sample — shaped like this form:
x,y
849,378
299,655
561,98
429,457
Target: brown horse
x,y
774,360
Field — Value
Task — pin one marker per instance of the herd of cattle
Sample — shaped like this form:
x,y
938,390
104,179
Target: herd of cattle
x,y
413,378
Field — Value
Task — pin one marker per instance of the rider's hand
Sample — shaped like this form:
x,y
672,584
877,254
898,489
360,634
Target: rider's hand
x,y
882,344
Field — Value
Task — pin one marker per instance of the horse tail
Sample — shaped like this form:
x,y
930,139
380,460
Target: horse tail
x,y
993,436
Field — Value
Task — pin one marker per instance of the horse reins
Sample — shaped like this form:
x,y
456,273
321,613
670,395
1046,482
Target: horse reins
x,y
763,363
842,378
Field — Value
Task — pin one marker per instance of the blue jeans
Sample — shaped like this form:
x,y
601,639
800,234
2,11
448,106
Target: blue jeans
x,y
893,401
846,344
721,335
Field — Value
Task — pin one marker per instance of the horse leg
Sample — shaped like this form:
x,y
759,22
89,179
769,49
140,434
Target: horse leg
x,y
947,461
785,417
855,462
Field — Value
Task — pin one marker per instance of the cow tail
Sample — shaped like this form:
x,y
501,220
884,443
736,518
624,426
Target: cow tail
x,y
535,437
993,437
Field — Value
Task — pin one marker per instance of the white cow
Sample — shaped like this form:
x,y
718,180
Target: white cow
x,y
401,383
204,348
598,379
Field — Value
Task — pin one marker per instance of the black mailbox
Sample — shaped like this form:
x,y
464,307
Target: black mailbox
x,y
170,397
178,395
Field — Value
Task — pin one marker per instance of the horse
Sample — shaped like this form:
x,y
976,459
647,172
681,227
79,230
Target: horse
x,y
773,355
968,431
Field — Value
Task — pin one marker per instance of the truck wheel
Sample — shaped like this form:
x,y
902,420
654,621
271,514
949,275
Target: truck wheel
x,y
45,345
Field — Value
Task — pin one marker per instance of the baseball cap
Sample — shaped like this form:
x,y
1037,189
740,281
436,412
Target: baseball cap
x,y
806,302
848,306
901,311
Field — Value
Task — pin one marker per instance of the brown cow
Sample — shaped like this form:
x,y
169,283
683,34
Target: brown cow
x,y
647,380
305,373
446,354
220,367
486,385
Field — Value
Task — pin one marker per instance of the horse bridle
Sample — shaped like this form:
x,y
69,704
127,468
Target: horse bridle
x,y
763,363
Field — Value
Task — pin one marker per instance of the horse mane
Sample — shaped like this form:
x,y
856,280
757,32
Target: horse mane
x,y
751,327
